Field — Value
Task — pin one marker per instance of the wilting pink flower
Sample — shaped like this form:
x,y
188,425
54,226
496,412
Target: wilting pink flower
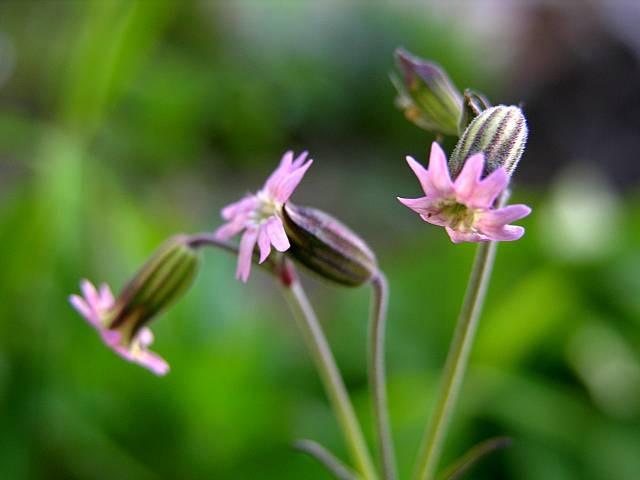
x,y
260,214
99,309
465,206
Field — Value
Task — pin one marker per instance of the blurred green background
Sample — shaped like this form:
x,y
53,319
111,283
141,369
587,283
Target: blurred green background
x,y
124,122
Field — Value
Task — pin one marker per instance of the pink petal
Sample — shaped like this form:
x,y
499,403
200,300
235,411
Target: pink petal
x,y
106,297
427,209
420,205
245,254
90,294
229,229
145,336
241,206
507,233
503,216
151,361
436,219
439,170
421,173
137,352
279,173
122,350
113,340
264,243
488,189
459,237
83,309
290,182
277,234
297,163
423,205
468,178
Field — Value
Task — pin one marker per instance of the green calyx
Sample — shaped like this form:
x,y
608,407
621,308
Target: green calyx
x,y
500,133
327,247
163,279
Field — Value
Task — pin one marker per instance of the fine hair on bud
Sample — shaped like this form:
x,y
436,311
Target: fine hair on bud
x,y
327,247
500,133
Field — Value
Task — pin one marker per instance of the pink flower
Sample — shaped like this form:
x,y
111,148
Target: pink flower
x,y
260,215
465,206
99,309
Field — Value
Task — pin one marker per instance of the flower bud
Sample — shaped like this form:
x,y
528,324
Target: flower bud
x,y
160,281
498,132
473,104
427,94
327,247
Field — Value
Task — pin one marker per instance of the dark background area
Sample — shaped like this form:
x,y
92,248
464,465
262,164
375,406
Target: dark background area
x,y
122,123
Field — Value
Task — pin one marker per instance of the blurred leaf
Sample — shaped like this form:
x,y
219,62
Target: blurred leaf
x,y
537,308
113,39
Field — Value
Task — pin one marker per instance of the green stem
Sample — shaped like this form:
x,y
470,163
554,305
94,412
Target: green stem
x,y
377,326
317,343
457,360
329,373
326,458
469,459
200,239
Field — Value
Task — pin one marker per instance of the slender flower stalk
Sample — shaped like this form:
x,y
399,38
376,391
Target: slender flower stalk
x,y
377,374
329,373
473,456
457,360
326,458
210,239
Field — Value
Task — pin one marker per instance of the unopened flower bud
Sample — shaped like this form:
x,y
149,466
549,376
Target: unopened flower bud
x,y
500,133
160,281
473,104
427,94
327,247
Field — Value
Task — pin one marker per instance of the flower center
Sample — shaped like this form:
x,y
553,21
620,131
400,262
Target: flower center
x,y
459,216
267,207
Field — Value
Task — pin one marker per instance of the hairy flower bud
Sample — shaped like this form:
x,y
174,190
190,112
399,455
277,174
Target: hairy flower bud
x,y
473,104
500,133
160,281
427,94
327,247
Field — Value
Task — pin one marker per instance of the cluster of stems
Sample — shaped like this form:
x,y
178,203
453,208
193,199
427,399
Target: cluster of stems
x,y
435,433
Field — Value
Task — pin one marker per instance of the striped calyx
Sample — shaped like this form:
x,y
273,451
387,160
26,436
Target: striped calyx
x,y
327,247
498,132
426,94
163,279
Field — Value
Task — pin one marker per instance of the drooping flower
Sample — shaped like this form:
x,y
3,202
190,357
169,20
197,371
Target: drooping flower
x,y
99,309
465,207
260,214
122,322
